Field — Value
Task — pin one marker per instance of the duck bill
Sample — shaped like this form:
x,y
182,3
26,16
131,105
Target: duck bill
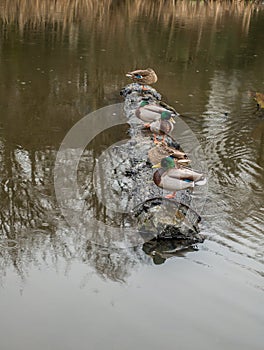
x,y
156,166
172,120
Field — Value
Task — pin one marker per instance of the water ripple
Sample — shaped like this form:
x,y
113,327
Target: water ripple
x,y
234,213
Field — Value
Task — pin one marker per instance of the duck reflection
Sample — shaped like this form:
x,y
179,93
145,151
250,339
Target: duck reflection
x,y
162,249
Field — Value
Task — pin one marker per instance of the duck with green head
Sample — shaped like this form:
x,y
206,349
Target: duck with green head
x,y
175,178
150,112
158,119
143,76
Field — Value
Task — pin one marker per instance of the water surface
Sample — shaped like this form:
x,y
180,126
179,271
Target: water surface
x,y
58,289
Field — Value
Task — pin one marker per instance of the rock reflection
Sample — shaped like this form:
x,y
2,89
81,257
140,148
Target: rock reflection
x,y
33,231
61,59
113,264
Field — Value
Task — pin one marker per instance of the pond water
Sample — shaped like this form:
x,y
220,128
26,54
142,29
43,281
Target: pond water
x,y
59,62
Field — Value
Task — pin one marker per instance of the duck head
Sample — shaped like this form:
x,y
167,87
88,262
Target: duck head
x,y
166,163
167,115
143,103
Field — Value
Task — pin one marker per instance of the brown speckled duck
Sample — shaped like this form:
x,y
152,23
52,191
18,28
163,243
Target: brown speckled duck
x,y
157,153
143,76
259,98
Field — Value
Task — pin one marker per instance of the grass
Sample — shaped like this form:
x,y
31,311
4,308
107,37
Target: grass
x,y
35,13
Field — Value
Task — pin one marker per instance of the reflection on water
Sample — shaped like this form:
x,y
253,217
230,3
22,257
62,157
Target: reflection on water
x,y
55,68
60,60
236,169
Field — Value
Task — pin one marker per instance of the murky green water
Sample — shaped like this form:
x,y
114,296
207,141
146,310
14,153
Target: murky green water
x,y
60,291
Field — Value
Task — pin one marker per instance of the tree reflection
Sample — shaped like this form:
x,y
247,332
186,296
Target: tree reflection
x,y
32,229
61,60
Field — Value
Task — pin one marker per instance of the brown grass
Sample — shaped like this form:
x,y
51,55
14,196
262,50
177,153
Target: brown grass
x,y
35,13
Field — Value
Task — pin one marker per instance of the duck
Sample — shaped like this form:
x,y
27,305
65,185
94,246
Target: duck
x,y
143,76
170,108
162,126
161,150
158,119
173,177
150,112
259,98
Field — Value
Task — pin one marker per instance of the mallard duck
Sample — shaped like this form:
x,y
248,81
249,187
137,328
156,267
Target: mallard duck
x,y
160,151
151,112
173,178
162,126
170,108
143,76
159,120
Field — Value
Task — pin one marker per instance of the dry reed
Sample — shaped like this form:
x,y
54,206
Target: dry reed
x,y
36,13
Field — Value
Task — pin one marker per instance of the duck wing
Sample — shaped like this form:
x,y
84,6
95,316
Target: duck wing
x,y
147,115
185,174
170,183
158,109
139,73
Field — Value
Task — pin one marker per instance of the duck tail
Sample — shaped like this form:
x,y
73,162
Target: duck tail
x,y
201,182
